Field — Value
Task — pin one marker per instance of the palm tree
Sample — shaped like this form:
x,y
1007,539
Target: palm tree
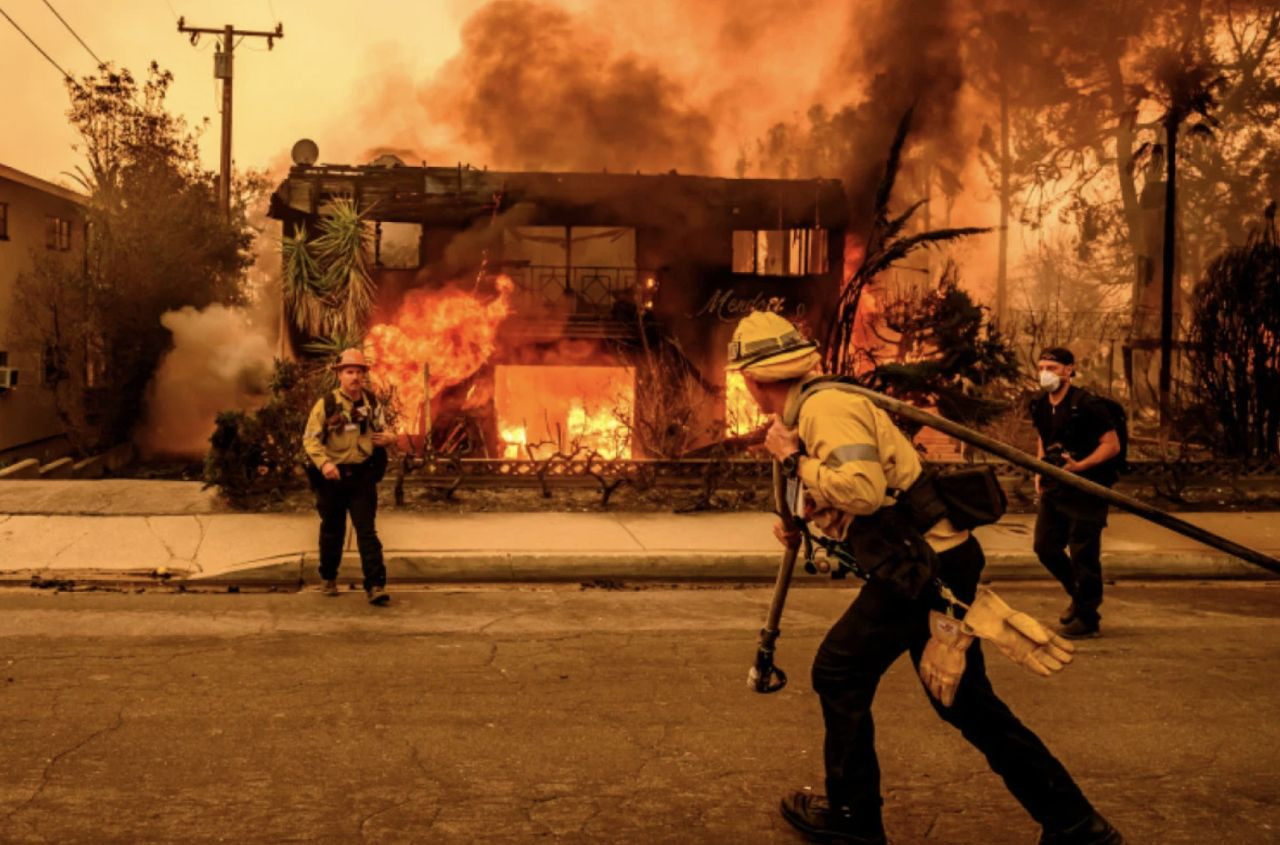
x,y
885,247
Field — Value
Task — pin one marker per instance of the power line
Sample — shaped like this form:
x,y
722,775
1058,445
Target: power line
x,y
73,32
49,58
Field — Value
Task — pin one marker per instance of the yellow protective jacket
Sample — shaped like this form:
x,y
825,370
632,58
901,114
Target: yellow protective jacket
x,y
345,444
854,455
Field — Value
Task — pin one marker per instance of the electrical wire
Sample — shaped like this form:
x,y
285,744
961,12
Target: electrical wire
x,y
39,49
73,32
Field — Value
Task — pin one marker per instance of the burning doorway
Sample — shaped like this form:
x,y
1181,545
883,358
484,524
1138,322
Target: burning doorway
x,y
549,408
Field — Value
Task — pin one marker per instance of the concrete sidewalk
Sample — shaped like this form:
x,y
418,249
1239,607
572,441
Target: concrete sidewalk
x,y
185,535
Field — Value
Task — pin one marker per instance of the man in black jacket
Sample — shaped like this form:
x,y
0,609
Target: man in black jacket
x,y
1077,434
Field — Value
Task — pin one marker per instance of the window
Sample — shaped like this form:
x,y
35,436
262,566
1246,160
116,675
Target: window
x,y
57,234
780,252
396,245
4,221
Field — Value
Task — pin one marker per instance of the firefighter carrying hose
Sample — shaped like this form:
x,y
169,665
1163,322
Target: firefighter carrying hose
x,y
867,488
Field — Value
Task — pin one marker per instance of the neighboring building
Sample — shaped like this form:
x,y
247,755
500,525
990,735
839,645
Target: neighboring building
x,y
595,256
37,218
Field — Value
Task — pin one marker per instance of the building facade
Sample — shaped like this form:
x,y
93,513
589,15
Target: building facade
x,y
606,268
41,224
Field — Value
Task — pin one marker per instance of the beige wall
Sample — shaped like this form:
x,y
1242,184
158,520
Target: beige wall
x,y
27,413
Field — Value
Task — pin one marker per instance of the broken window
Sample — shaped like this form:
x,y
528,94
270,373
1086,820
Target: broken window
x,y
396,245
780,252
592,265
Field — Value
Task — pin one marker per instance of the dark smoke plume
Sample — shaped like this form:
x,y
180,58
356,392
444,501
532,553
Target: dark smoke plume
x,y
537,90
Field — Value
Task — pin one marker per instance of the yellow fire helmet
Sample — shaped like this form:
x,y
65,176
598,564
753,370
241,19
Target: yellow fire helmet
x,y
764,341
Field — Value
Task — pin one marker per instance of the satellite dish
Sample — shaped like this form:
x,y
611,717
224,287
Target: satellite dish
x,y
305,153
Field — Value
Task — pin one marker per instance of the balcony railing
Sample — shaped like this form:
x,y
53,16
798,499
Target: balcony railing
x,y
589,289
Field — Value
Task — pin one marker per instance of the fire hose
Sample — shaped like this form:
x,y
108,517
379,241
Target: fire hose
x,y
764,677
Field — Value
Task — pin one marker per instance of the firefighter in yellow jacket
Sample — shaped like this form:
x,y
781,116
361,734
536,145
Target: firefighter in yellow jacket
x,y
346,445
867,487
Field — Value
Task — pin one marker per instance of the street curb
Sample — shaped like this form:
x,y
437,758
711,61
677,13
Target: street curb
x,y
428,567
477,567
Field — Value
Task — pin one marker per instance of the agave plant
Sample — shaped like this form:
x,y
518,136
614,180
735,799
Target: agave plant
x,y
331,345
327,287
342,250
303,296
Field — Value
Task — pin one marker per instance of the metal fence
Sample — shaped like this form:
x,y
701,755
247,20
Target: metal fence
x,y
593,289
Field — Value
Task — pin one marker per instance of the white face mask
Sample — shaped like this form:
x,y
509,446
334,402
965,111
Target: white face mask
x,y
1050,380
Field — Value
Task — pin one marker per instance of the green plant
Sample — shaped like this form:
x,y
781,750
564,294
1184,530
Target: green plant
x,y
262,450
327,287
947,354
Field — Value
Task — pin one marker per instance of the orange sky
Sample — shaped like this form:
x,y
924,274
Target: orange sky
x,y
294,91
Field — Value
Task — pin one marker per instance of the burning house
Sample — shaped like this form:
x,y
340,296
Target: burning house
x,y
552,311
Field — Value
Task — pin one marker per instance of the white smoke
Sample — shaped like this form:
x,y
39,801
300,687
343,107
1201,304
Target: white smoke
x,y
220,361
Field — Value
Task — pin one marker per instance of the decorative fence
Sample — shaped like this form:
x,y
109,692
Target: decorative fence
x,y
1172,480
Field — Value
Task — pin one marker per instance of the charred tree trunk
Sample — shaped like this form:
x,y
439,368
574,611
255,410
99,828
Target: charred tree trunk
x,y
1006,165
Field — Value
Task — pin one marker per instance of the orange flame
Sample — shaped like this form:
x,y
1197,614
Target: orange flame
x,y
741,413
566,408
452,331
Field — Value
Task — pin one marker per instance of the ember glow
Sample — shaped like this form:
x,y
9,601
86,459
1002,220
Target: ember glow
x,y
453,332
547,409
741,413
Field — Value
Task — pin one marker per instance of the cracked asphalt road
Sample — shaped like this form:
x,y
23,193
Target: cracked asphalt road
x,y
555,714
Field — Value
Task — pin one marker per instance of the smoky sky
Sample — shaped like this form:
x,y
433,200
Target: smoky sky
x,y
538,88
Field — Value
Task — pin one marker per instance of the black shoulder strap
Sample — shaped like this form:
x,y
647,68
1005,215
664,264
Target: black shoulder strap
x,y
330,404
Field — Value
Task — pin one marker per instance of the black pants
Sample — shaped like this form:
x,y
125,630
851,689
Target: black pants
x,y
876,629
356,493
1064,525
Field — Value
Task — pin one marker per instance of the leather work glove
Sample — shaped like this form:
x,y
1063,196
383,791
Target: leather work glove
x,y
1022,639
942,663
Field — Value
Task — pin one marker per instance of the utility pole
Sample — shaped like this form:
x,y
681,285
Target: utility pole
x,y
222,69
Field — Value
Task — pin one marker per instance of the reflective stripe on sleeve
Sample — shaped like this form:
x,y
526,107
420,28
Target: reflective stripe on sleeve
x,y
852,452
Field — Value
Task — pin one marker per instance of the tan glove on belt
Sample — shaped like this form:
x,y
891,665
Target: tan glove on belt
x,y
942,663
1022,639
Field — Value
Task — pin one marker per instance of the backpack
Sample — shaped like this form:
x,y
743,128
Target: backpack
x,y
1119,419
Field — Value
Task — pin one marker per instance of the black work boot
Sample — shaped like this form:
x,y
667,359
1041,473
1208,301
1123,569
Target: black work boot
x,y
1080,628
813,816
1094,830
1068,613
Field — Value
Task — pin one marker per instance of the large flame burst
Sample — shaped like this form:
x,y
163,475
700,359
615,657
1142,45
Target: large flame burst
x,y
453,332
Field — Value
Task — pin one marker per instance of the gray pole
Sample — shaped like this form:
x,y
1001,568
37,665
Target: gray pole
x,y
223,69
224,176
1022,459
